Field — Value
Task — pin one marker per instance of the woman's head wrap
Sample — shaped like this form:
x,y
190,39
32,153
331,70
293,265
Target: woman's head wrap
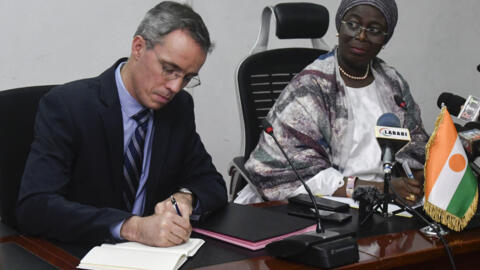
x,y
387,7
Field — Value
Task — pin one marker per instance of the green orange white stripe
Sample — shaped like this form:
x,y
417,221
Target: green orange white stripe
x,y
454,189
451,191
445,136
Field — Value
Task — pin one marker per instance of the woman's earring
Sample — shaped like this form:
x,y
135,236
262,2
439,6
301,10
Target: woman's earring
x,y
337,34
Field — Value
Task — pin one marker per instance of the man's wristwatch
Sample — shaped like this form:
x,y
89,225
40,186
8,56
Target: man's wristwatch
x,y
350,186
187,191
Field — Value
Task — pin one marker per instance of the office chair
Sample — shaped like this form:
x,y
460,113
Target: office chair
x,y
18,108
263,74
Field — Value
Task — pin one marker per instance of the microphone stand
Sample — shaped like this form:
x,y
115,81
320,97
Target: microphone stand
x,y
320,231
432,228
320,248
387,196
387,169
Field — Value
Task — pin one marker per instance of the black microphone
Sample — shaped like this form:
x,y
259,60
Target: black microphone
x,y
470,138
390,136
400,102
322,248
453,102
472,125
267,127
367,197
467,110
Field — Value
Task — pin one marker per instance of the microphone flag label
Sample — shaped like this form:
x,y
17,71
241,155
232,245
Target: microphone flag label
x,y
470,110
451,189
392,133
397,137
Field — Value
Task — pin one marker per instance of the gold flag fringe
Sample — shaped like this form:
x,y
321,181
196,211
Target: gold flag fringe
x,y
432,137
439,215
451,221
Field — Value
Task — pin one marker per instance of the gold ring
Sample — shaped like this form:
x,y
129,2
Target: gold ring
x,y
411,197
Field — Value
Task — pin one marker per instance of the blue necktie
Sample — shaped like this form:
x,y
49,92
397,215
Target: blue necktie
x,y
132,167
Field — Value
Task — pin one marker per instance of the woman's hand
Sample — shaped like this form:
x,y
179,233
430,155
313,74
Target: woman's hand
x,y
410,190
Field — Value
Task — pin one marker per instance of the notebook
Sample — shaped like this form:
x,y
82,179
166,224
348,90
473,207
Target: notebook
x,y
252,227
132,255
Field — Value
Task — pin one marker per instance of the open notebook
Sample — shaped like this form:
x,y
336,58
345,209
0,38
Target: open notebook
x,y
131,255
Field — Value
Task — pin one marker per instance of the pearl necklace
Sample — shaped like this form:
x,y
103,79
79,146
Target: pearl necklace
x,y
358,78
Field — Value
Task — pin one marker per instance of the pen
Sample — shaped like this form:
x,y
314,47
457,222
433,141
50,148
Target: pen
x,y
174,202
407,170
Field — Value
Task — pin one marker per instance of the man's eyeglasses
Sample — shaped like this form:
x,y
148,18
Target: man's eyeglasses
x,y
171,72
373,34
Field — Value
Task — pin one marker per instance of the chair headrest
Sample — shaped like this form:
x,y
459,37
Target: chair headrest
x,y
301,20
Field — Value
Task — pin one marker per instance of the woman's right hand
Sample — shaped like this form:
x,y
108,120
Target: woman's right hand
x,y
410,190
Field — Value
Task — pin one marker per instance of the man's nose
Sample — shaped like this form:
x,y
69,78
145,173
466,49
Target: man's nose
x,y
175,85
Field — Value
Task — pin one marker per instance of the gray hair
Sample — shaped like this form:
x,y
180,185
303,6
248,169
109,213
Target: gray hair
x,y
169,16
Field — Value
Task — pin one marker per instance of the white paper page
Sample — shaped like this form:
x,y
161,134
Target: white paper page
x,y
122,258
189,248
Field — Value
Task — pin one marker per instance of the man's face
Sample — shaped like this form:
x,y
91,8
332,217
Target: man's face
x,y
158,74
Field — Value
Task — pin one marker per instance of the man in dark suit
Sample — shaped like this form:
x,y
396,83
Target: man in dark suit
x,y
97,173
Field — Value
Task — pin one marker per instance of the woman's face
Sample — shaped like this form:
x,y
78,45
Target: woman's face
x,y
357,46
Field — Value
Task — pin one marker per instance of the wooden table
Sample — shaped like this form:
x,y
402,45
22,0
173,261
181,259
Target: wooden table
x,y
408,249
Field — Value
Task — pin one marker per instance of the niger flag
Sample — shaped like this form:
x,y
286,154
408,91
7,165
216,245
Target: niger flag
x,y
451,192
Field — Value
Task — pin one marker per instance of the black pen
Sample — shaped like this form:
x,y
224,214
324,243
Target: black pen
x,y
174,202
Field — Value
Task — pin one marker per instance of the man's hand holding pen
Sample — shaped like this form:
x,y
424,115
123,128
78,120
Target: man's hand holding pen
x,y
184,202
165,227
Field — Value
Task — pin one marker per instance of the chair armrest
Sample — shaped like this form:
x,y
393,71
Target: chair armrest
x,y
240,178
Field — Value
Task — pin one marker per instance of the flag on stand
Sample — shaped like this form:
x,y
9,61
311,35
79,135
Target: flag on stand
x,y
451,192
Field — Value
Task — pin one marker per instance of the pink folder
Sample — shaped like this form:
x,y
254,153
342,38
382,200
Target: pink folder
x,y
248,244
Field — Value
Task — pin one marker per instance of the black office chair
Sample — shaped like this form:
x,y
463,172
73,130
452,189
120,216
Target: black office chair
x,y
263,75
18,108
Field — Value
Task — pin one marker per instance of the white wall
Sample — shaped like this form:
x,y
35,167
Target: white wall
x,y
55,41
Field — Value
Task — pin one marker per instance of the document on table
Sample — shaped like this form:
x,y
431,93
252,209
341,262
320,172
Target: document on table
x,y
132,255
252,227
391,207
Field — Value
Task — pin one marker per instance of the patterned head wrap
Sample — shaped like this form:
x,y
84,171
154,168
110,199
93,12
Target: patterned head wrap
x,y
387,7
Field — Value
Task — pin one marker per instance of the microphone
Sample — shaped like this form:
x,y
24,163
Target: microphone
x,y
267,127
465,109
453,102
470,138
470,110
390,136
322,248
400,102
472,125
368,197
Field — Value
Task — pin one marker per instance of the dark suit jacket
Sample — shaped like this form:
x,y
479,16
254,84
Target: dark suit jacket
x,y
71,187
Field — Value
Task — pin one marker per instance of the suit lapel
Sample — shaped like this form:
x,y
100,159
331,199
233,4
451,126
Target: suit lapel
x,y
113,128
111,115
161,140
